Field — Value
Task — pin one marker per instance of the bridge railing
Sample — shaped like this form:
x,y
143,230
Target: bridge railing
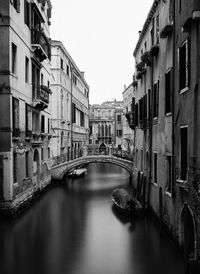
x,y
77,153
65,157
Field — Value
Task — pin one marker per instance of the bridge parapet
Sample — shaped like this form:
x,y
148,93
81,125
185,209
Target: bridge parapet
x,y
59,171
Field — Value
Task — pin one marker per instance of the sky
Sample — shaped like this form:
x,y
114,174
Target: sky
x,y
100,36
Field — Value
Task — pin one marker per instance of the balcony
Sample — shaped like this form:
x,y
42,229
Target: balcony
x,y
40,44
41,96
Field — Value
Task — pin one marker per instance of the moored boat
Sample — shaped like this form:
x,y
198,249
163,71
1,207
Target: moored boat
x,y
125,203
77,172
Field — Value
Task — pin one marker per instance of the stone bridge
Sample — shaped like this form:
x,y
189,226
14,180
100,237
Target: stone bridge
x,y
59,171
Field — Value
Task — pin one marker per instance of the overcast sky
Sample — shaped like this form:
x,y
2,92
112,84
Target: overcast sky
x,y
100,36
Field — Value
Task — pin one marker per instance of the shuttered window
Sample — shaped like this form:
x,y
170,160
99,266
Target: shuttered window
x,y
184,65
15,116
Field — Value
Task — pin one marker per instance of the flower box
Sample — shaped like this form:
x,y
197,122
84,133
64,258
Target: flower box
x,y
154,50
166,31
146,58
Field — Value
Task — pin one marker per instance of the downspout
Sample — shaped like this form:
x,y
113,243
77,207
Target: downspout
x,y
173,94
195,123
71,88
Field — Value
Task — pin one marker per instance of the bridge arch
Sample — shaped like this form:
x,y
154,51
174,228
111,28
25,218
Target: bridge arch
x,y
61,170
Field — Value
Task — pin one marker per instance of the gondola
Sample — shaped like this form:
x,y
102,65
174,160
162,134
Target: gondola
x,y
124,203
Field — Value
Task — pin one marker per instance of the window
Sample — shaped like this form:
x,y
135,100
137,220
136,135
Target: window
x,y
35,79
35,121
169,174
157,29
62,104
119,133
16,5
180,5
82,117
28,120
73,113
48,125
67,70
142,160
42,123
26,13
184,65
26,70
168,89
42,153
61,64
184,153
149,104
119,118
102,130
27,163
42,79
14,167
14,58
155,99
74,79
155,168
49,152
15,116
152,32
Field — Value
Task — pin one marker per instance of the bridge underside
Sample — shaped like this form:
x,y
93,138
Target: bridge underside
x,y
58,172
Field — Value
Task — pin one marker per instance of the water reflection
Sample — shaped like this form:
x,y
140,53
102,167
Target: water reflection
x,y
74,229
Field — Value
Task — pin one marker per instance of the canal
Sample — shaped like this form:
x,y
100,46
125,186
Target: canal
x,y
73,229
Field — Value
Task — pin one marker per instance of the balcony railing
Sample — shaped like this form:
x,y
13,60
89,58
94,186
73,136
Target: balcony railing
x,y
41,96
41,44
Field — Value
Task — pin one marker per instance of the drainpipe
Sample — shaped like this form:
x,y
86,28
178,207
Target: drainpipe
x,y
71,87
174,92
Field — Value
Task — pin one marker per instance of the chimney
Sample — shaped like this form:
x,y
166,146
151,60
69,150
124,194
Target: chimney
x,y
124,87
139,32
83,74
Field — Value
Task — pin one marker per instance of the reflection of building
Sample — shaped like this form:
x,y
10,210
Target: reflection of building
x,y
128,133
105,125
70,124
25,99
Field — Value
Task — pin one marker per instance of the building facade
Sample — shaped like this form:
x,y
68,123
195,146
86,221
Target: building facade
x,y
128,133
105,126
187,126
25,99
70,117
164,116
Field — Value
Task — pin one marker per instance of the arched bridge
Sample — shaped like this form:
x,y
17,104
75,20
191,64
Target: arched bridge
x,y
59,171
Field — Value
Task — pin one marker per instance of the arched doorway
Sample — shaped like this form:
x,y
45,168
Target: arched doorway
x,y
188,233
102,149
36,167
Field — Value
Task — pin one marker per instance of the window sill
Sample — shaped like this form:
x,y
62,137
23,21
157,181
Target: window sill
x,y
14,75
184,90
183,184
154,184
168,114
168,194
155,120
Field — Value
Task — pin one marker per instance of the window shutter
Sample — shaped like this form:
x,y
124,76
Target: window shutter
x,y
187,63
49,13
18,6
157,99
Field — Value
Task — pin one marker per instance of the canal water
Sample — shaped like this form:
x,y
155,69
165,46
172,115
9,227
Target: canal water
x,y
73,229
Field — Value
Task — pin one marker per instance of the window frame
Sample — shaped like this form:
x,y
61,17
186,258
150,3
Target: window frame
x,y
187,66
